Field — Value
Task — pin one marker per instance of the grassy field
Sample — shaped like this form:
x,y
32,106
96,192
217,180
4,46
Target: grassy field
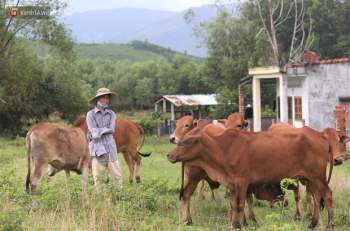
x,y
151,205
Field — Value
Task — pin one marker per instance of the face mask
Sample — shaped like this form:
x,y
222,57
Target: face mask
x,y
101,105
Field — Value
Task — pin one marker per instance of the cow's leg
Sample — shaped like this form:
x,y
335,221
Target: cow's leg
x,y
297,204
316,198
242,196
66,176
250,207
233,198
85,176
36,176
190,187
200,194
130,164
309,204
326,194
214,187
137,163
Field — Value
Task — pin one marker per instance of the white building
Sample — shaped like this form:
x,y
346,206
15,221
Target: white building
x,y
307,93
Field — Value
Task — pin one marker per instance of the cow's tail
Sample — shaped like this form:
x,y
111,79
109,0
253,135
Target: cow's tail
x,y
330,163
142,133
182,180
28,146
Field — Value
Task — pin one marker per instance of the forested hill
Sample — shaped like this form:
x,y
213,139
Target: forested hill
x,y
134,51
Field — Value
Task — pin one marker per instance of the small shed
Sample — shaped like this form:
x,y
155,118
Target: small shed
x,y
180,104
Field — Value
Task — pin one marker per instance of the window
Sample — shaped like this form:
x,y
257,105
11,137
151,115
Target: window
x,y
298,108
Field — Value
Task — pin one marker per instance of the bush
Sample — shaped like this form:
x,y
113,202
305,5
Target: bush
x,y
11,220
149,124
267,112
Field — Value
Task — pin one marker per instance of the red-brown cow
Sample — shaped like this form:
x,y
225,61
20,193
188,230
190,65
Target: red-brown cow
x,y
238,159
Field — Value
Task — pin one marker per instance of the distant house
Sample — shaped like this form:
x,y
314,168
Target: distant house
x,y
172,107
182,104
315,93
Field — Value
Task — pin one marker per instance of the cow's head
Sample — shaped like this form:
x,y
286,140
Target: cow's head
x,y
344,139
335,140
188,148
183,126
236,120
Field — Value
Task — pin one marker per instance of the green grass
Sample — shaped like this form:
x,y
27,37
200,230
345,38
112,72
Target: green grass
x,y
151,205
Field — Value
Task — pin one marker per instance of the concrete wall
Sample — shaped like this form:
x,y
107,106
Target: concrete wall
x,y
298,86
325,84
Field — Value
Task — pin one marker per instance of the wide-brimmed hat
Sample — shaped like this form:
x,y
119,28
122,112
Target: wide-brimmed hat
x,y
104,91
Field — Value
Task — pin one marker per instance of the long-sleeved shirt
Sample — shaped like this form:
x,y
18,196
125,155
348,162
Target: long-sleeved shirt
x,y
101,126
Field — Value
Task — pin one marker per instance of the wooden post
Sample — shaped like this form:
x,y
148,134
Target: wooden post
x,y
172,112
241,99
164,106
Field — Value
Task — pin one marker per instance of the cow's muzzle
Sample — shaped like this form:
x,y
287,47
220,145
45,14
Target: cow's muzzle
x,y
172,159
172,140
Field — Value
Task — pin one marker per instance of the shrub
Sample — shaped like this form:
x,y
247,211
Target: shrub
x,y
149,124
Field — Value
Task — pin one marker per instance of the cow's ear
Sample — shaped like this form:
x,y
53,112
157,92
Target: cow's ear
x,y
344,139
245,124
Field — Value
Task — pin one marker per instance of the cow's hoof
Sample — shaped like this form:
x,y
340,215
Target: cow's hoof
x,y
138,179
245,222
131,181
35,206
297,217
308,216
313,223
188,221
254,220
236,225
330,227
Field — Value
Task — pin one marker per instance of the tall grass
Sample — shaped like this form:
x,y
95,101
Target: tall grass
x,y
151,205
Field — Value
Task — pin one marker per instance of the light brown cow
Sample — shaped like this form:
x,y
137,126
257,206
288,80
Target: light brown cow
x,y
59,146
236,120
129,137
238,159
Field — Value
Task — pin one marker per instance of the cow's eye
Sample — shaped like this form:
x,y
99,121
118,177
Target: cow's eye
x,y
239,126
187,126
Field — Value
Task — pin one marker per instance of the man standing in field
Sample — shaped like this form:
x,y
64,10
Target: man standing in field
x,y
101,124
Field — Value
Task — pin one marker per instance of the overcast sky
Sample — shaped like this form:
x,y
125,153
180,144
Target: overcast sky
x,y
169,5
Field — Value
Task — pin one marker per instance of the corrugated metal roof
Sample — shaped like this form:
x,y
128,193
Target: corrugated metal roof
x,y
192,100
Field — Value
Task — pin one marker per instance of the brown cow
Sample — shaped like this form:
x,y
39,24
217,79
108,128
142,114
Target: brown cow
x,y
195,175
236,120
334,141
129,137
59,146
332,136
238,159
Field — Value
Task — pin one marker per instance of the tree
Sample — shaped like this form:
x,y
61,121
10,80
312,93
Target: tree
x,y
273,14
